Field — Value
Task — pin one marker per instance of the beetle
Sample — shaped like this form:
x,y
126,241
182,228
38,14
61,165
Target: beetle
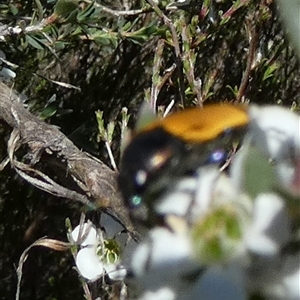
x,y
175,146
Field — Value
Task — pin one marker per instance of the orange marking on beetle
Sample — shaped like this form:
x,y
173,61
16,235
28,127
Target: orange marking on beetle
x,y
196,125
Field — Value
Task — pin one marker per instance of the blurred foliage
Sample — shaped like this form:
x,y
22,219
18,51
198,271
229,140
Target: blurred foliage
x,y
73,58
291,17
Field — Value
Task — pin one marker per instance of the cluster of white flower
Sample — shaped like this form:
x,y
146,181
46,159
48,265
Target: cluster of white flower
x,y
225,236
228,236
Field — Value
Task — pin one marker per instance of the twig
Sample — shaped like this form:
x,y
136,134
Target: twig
x,y
155,73
39,179
118,13
9,30
168,108
253,38
178,56
189,58
44,242
111,156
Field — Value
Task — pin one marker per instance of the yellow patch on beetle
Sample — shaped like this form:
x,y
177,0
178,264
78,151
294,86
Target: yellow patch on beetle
x,y
197,125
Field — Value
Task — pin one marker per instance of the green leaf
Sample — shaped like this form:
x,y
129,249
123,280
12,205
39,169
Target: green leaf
x,y
234,90
104,38
60,46
34,42
127,26
13,9
269,72
290,15
65,7
48,112
145,116
87,13
258,173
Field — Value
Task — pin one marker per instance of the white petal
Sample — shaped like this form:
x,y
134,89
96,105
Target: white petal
x,y
286,173
90,232
207,178
88,263
162,248
261,244
139,259
177,200
7,73
162,260
270,227
164,293
115,271
276,130
291,280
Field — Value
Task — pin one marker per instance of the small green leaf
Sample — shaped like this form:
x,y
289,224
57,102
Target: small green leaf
x,y
234,90
87,13
13,9
127,26
110,131
34,42
48,112
146,115
100,121
59,46
269,72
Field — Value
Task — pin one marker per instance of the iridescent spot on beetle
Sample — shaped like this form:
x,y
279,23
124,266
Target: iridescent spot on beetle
x,y
136,201
159,158
217,156
140,177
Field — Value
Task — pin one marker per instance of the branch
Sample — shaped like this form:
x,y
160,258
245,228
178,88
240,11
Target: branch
x,y
95,182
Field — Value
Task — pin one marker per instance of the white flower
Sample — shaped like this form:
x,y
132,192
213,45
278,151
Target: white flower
x,y
89,263
159,263
226,235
